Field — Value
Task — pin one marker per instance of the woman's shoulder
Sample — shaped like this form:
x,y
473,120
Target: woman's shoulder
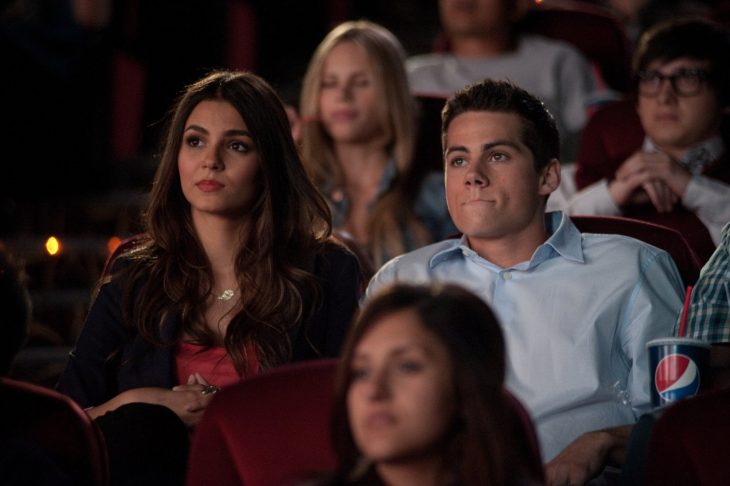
x,y
340,256
334,249
131,262
335,253
131,251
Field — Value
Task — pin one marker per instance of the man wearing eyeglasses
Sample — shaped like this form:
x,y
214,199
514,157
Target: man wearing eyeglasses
x,y
675,169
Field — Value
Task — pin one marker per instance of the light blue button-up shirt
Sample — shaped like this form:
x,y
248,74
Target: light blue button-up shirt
x,y
576,318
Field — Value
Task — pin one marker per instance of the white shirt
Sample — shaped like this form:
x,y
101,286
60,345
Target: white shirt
x,y
552,70
707,197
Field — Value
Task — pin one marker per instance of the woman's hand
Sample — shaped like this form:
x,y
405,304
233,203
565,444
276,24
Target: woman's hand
x,y
187,401
198,393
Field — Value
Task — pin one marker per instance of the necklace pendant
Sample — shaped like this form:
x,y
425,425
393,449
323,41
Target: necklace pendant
x,y
226,295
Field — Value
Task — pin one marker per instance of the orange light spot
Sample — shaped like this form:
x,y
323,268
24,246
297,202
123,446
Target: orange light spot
x,y
113,244
53,246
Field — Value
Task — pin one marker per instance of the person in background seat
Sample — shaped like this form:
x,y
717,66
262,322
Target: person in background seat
x,y
673,168
358,136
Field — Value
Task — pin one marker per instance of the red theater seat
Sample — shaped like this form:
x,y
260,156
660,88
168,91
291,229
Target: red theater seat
x,y
274,430
667,239
688,444
269,430
54,427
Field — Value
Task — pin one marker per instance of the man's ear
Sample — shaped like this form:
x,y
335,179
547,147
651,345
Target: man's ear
x,y
549,177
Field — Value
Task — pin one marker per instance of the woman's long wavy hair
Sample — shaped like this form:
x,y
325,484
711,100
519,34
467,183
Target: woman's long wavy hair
x,y
480,449
393,213
289,223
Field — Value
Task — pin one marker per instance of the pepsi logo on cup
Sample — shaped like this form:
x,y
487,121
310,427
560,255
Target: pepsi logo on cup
x,y
676,376
677,365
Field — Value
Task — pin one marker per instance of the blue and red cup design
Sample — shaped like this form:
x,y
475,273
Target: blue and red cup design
x,y
677,365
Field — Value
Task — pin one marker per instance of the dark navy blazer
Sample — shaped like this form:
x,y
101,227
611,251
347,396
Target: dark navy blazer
x,y
91,378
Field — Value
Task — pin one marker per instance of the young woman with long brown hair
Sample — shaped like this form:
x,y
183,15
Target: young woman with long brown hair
x,y
237,271
419,396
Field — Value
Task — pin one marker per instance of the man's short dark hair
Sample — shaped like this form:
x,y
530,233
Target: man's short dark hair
x,y
694,38
539,131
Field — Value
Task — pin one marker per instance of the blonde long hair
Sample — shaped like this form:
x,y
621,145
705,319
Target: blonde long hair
x,y
393,213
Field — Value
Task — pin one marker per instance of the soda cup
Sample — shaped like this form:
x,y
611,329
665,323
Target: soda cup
x,y
678,366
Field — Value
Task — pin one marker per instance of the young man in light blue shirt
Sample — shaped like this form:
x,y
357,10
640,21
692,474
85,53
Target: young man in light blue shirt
x,y
576,310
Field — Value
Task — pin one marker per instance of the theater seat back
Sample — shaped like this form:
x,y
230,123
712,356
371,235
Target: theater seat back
x,y
269,430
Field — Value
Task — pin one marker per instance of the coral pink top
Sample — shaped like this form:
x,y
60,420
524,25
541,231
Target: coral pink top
x,y
213,364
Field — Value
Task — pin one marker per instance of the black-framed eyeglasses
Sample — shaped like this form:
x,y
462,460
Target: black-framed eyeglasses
x,y
684,82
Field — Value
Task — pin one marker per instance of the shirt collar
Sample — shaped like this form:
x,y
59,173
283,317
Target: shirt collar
x,y
697,157
455,247
565,240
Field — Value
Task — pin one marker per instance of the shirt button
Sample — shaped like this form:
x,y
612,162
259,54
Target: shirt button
x,y
507,275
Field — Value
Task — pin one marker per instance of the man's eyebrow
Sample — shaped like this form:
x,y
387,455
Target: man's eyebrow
x,y
497,143
485,147
456,148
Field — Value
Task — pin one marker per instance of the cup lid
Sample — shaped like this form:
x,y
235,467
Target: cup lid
x,y
678,340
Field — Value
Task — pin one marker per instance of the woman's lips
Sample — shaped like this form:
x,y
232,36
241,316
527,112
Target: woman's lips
x,y
209,186
380,419
344,115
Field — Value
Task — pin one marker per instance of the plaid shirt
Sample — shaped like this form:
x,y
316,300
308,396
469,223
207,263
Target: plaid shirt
x,y
708,317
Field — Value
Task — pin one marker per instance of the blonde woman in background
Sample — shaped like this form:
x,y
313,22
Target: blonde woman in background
x,y
358,138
